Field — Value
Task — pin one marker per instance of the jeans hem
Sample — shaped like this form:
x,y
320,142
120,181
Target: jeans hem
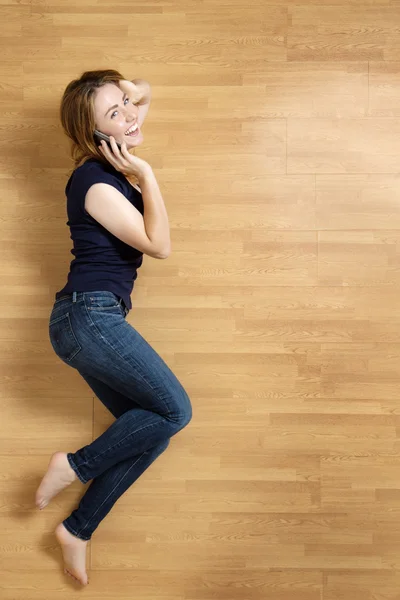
x,y
75,533
75,468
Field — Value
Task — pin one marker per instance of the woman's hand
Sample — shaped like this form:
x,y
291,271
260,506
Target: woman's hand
x,y
133,91
139,93
128,164
138,90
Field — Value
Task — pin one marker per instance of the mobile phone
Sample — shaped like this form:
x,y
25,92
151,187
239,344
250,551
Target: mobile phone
x,y
103,136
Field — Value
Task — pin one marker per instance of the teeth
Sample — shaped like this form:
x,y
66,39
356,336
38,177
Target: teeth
x,y
131,129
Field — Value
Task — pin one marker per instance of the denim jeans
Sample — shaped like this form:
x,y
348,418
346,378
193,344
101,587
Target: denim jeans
x,y
89,332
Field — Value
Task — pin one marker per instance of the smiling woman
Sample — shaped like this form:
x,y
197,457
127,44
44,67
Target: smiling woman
x,y
107,102
125,109
112,225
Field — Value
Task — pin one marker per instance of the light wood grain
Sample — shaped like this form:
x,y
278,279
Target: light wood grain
x,y
364,32
274,134
370,145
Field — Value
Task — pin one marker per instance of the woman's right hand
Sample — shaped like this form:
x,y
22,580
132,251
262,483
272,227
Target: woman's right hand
x,y
128,164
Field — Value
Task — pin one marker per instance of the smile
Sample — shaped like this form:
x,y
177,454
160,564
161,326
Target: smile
x,y
132,131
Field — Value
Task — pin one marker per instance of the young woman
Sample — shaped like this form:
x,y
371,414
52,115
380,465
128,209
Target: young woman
x,y
112,223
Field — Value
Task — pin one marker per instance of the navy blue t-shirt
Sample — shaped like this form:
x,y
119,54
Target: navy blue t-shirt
x,y
102,261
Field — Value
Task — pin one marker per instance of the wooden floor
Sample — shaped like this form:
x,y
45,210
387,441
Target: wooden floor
x,y
275,135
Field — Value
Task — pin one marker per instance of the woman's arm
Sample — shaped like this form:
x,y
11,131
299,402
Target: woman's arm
x,y
155,213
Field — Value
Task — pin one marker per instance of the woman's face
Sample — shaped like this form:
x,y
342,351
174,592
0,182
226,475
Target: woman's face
x,y
115,115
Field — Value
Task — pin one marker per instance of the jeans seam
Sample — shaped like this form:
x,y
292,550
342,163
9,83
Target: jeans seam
x,y
111,492
107,343
163,422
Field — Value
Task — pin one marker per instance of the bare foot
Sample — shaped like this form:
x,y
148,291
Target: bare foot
x,y
58,476
74,554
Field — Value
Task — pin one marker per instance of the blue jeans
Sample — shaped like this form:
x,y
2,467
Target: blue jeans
x,y
89,332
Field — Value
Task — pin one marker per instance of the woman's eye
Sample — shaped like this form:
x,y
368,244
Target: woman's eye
x,y
116,112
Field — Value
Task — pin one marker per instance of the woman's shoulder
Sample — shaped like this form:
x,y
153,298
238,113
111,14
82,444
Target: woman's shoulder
x,y
93,164
91,171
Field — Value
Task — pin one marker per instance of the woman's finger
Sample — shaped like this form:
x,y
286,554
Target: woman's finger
x,y
124,150
107,152
118,161
105,149
131,90
115,147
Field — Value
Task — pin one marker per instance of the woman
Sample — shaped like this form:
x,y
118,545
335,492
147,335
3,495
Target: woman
x,y
113,223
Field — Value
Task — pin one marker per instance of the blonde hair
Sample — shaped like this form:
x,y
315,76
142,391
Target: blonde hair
x,y
77,113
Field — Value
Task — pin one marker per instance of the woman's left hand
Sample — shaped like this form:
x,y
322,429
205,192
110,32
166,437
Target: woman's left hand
x,y
137,90
139,93
130,89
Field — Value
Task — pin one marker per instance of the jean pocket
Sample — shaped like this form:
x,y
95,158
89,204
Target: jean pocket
x,y
63,338
104,302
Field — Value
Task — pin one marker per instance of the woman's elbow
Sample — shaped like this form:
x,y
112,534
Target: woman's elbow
x,y
164,254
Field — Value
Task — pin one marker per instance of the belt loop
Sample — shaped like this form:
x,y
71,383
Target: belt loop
x,y
74,297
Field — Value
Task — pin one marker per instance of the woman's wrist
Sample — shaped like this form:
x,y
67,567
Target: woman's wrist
x,y
145,173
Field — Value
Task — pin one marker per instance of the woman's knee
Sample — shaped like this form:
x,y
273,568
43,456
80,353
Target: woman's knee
x,y
184,411
161,447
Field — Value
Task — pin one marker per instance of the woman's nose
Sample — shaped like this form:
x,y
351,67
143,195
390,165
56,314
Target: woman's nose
x,y
131,112
130,116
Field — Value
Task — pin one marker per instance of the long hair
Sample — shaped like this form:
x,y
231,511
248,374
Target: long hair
x,y
77,113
